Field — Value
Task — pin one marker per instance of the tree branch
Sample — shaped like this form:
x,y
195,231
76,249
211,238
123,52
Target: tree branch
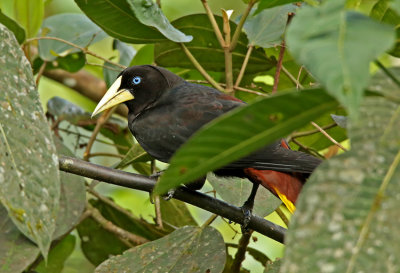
x,y
143,183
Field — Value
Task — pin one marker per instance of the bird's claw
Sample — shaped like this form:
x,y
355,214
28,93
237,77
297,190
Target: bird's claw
x,y
247,217
169,194
156,175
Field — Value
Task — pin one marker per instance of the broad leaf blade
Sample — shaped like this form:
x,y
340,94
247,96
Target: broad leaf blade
x,y
236,190
29,14
206,49
267,4
176,213
16,251
194,250
79,30
337,46
18,31
29,178
117,19
347,215
150,14
266,28
223,141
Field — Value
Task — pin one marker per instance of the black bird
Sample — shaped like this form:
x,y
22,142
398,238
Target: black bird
x,y
165,110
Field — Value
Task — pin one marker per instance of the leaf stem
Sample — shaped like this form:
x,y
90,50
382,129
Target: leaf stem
x,y
83,49
328,136
214,24
282,215
239,27
209,220
228,54
278,67
198,66
388,73
244,65
311,132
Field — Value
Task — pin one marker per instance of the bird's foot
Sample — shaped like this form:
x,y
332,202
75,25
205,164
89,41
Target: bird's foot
x,y
247,212
169,194
156,175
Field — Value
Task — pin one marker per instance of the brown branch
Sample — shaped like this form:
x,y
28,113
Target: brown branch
x,y
241,252
328,136
125,236
84,83
278,67
40,73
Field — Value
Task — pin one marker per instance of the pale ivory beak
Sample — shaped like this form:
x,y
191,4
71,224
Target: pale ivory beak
x,y
112,97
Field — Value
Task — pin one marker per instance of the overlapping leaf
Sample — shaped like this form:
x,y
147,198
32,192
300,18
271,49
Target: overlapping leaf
x,y
223,141
337,46
29,178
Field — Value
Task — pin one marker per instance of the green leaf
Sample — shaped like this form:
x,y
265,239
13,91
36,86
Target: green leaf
x,y
134,155
381,83
98,244
266,28
29,178
126,54
273,267
71,63
337,46
176,213
261,123
267,4
347,215
188,249
29,14
18,31
117,19
206,49
150,14
79,31
145,55
16,251
72,197
382,11
57,256
236,190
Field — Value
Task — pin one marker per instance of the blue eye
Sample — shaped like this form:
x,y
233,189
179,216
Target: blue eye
x,y
136,80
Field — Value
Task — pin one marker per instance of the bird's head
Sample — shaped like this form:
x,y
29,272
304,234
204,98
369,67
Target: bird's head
x,y
138,87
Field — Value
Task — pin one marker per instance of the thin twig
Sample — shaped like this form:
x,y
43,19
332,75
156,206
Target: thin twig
x,y
214,24
157,203
40,73
241,252
105,154
310,150
209,220
83,49
198,66
239,27
311,132
278,67
104,66
234,87
228,54
292,78
125,236
388,73
298,77
100,122
328,136
282,216
244,65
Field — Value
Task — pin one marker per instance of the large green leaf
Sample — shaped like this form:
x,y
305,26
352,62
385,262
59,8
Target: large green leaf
x,y
206,49
266,28
347,215
118,20
79,30
337,46
236,190
57,256
267,4
18,31
223,141
176,213
188,249
381,83
149,14
29,178
72,197
16,251
29,14
98,244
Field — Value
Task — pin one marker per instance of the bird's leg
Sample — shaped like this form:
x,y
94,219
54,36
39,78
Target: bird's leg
x,y
248,207
156,175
